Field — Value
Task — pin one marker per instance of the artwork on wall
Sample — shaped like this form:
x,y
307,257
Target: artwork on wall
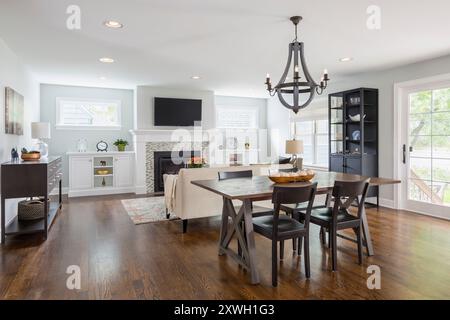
x,y
14,112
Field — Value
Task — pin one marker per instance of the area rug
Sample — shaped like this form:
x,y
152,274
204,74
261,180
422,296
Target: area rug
x,y
146,210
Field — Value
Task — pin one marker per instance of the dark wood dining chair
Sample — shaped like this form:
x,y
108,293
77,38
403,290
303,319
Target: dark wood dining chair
x,y
338,217
293,209
279,228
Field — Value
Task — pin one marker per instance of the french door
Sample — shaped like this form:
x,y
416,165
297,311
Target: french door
x,y
426,149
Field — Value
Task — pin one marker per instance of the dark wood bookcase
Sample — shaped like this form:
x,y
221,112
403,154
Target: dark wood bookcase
x,y
353,144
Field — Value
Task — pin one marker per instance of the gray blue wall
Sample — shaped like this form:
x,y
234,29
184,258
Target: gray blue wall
x,y
65,140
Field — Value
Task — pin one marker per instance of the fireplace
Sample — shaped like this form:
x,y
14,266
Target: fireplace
x,y
163,164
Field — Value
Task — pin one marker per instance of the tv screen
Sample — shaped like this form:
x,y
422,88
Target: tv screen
x,y
177,112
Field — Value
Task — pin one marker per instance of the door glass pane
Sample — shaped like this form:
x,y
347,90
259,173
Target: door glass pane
x,y
441,147
420,124
441,123
420,102
441,170
441,100
421,146
420,190
420,168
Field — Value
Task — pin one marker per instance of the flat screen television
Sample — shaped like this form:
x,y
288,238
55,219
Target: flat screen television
x,y
177,112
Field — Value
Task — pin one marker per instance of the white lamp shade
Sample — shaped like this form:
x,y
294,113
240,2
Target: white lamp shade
x,y
294,146
40,130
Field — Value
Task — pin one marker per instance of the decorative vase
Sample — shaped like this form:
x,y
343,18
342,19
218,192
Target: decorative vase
x,y
121,147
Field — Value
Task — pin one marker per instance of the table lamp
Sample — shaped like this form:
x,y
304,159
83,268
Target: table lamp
x,y
41,130
294,147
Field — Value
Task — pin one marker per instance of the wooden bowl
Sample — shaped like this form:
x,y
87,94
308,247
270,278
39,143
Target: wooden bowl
x,y
31,156
102,172
292,179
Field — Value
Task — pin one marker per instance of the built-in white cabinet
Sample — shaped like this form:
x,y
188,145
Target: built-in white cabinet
x,y
100,173
123,165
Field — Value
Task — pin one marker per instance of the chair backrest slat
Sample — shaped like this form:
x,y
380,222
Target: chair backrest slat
x,y
224,175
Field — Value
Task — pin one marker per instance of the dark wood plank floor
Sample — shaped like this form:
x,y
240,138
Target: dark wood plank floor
x,y
120,260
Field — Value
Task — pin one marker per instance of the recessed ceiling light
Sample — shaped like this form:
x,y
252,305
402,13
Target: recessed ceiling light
x,y
195,77
346,59
106,60
113,24
102,78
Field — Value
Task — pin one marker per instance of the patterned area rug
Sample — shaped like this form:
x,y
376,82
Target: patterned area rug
x,y
146,210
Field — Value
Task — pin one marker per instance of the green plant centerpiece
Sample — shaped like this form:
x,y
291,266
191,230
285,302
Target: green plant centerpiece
x,y
121,144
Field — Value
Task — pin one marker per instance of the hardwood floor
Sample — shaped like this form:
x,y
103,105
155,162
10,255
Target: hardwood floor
x,y
120,260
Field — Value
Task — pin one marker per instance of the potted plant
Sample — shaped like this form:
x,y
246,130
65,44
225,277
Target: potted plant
x,y
121,144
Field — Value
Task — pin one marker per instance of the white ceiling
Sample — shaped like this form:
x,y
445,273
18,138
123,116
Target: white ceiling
x,y
232,44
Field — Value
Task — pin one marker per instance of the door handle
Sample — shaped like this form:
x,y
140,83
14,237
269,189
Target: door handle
x,y
404,153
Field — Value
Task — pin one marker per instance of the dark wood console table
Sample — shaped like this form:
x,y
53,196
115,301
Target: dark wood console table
x,y
21,179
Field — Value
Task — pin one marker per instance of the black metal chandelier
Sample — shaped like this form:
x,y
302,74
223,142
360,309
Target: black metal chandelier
x,y
297,87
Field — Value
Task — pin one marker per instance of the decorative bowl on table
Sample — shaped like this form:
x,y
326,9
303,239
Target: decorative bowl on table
x,y
31,156
288,177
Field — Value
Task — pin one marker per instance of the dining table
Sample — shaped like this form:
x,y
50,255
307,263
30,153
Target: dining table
x,y
258,188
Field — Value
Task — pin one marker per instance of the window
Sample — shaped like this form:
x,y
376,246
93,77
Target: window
x,y
82,114
236,117
314,134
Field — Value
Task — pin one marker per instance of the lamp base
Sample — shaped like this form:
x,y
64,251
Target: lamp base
x,y
42,147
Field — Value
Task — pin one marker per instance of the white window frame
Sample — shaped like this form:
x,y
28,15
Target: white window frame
x,y
315,135
250,109
61,126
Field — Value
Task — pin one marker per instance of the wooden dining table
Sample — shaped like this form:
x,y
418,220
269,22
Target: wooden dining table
x,y
259,188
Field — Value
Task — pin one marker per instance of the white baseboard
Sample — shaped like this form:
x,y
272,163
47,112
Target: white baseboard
x,y
140,189
64,190
100,192
388,203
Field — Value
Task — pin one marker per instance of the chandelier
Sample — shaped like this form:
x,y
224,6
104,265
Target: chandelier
x,y
297,87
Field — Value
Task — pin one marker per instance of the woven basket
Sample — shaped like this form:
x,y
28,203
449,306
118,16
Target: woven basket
x,y
30,210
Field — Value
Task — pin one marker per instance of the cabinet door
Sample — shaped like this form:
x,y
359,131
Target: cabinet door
x,y
337,164
123,171
81,172
353,165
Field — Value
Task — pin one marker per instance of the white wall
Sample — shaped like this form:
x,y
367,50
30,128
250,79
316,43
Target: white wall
x,y
15,75
384,81
64,140
144,105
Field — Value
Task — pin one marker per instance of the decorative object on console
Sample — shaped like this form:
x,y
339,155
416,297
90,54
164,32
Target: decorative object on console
x,y
294,147
14,154
102,146
297,87
14,112
30,155
82,145
41,130
121,144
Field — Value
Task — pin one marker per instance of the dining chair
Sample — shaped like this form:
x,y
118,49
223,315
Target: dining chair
x,y
293,209
338,217
279,228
